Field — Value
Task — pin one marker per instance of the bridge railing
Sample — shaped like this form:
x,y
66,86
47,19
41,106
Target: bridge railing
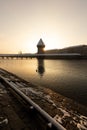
x,y
52,124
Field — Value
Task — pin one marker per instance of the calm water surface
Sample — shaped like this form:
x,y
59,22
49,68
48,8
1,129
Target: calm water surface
x,y
67,77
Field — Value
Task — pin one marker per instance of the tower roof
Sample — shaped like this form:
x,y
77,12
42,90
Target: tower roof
x,y
40,43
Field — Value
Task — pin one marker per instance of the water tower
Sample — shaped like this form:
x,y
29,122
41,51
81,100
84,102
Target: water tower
x,y
40,47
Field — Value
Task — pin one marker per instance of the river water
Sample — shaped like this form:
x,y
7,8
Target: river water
x,y
67,77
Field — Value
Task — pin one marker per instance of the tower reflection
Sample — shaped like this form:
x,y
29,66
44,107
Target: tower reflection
x,y
40,68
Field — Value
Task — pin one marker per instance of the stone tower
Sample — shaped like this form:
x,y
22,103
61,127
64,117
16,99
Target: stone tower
x,y
40,47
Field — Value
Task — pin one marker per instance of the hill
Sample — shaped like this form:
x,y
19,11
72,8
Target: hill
x,y
81,49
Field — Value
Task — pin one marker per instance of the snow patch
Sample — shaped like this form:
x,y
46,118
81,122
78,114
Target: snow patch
x,y
58,119
81,127
83,117
48,98
4,121
2,91
31,90
83,123
66,114
19,84
8,79
79,120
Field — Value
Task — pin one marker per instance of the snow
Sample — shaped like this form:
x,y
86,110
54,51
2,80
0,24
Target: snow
x,y
58,119
39,94
19,84
48,98
31,90
81,127
4,121
79,120
7,78
83,117
50,125
66,114
83,123
2,91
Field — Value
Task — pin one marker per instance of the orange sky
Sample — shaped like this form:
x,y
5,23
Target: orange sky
x,y
60,23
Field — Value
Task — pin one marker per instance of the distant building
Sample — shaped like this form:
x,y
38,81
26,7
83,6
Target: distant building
x,y
40,47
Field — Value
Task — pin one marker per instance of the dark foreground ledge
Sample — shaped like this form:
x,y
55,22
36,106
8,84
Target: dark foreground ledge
x,y
70,114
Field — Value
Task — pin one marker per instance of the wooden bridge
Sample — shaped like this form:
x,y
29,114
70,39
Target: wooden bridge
x,y
12,56
45,56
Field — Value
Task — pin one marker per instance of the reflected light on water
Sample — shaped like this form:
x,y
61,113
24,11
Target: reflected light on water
x,y
67,77
40,68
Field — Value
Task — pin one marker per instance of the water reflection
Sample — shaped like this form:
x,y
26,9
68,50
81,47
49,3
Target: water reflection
x,y
67,77
40,69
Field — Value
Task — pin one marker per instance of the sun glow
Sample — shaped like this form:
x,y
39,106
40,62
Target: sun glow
x,y
59,24
51,41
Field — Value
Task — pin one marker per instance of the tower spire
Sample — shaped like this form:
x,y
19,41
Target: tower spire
x,y
40,46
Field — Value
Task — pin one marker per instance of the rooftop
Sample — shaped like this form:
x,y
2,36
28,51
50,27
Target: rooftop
x,y
41,43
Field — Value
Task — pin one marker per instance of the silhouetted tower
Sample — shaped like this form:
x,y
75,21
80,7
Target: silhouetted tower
x,y
40,47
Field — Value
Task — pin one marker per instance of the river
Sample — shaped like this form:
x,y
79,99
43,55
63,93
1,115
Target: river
x,y
67,77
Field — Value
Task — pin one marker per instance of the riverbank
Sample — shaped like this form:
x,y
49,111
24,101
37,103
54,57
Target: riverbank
x,y
70,114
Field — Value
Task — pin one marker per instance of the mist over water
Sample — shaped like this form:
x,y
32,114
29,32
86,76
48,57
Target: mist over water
x,y
67,77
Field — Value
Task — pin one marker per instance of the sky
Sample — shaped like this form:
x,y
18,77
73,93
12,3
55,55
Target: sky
x,y
60,23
